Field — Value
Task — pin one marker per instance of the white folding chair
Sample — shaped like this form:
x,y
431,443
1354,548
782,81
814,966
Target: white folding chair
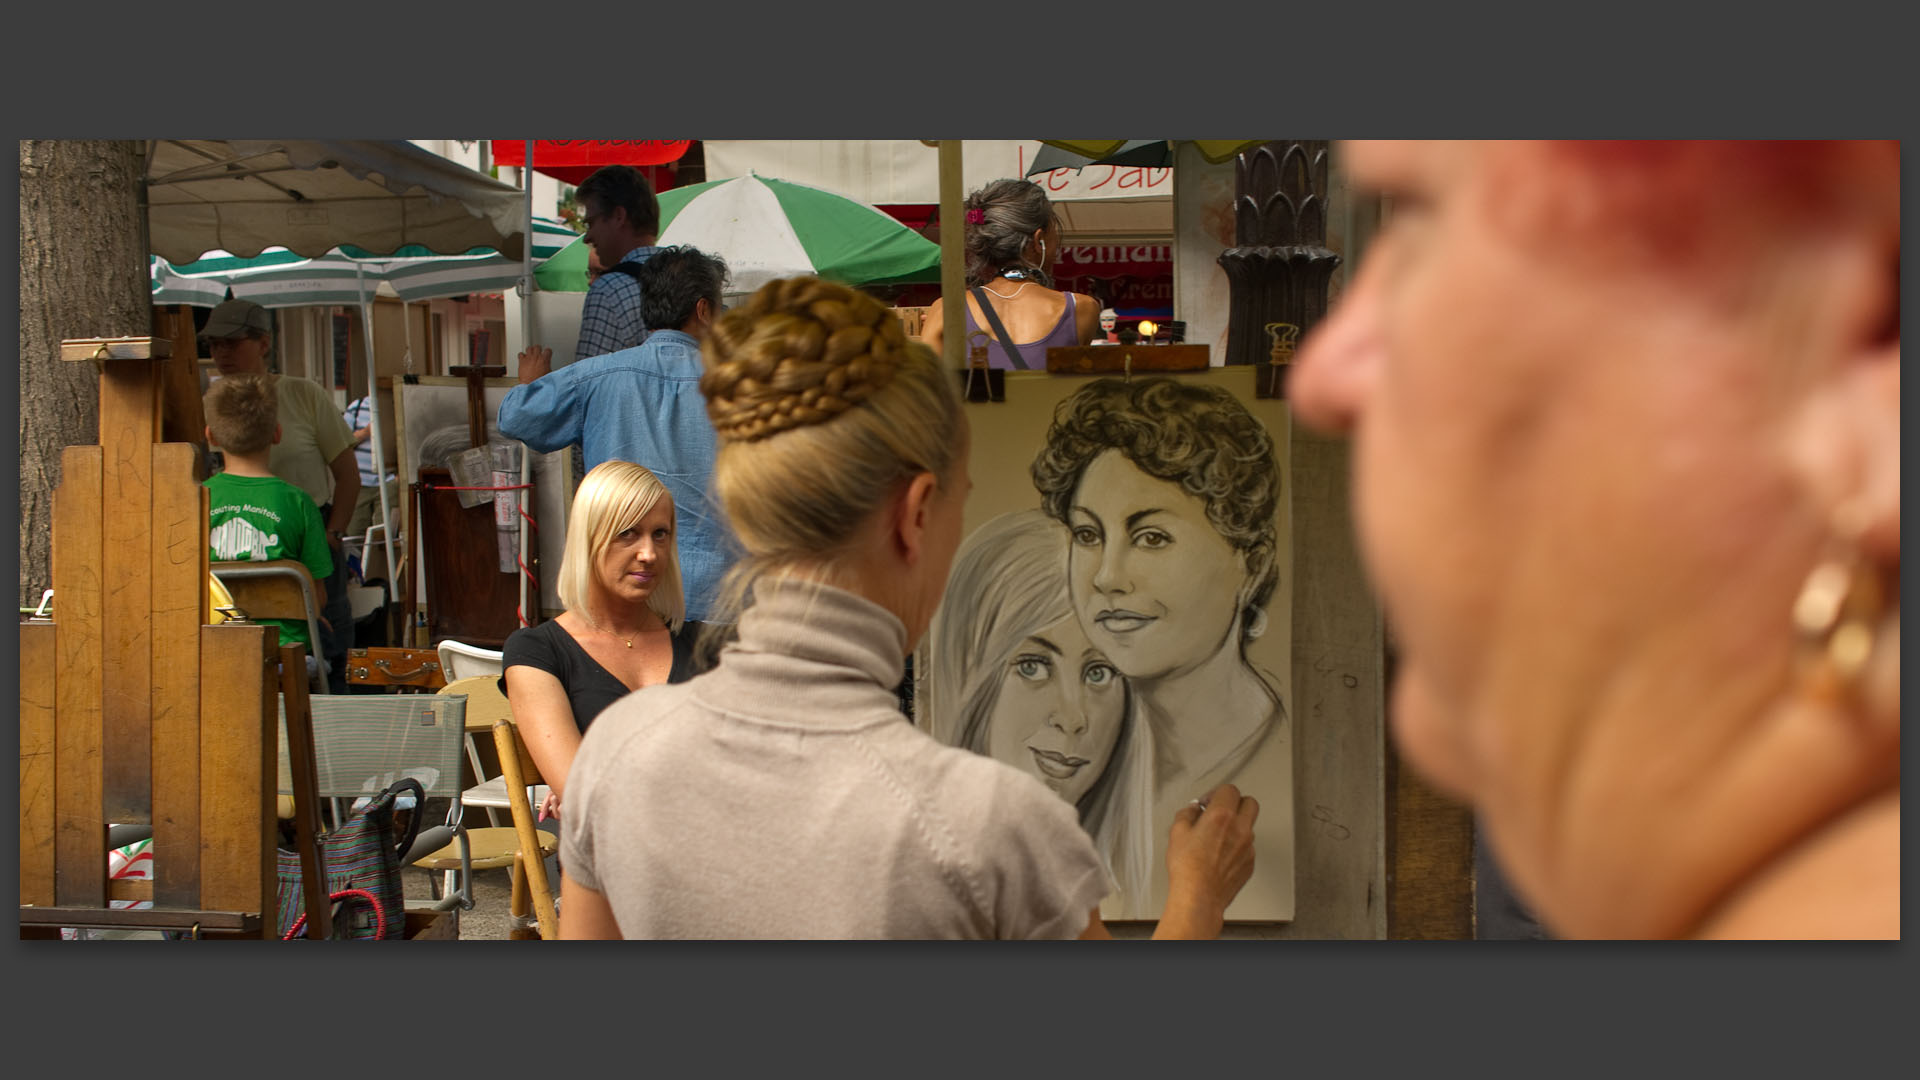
x,y
459,660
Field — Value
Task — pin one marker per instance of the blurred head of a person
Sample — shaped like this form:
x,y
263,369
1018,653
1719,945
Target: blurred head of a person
x,y
1625,428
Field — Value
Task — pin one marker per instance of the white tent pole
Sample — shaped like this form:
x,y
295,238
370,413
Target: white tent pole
x,y
373,420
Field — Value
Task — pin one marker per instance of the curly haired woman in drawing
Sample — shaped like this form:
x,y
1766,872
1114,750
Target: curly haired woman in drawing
x,y
1013,676
1169,491
1012,239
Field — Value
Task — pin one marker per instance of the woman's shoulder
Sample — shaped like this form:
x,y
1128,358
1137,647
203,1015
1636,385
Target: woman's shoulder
x,y
541,640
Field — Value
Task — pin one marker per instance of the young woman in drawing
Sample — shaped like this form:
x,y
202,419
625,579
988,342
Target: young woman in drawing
x,y
1013,675
624,626
782,795
1169,492
1012,239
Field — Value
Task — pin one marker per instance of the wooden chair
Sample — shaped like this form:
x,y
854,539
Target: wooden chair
x,y
530,881
278,589
485,704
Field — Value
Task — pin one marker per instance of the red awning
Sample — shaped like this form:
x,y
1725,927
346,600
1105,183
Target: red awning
x,y
573,160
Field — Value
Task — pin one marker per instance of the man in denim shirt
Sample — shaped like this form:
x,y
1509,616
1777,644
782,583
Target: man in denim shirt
x,y
644,405
622,218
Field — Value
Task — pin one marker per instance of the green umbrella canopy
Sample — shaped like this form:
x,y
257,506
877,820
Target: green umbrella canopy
x,y
766,228
348,274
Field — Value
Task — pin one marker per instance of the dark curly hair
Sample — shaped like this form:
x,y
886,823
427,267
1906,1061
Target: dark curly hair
x,y
1197,436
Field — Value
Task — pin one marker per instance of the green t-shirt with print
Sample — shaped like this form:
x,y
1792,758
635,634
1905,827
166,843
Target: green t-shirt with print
x,y
261,518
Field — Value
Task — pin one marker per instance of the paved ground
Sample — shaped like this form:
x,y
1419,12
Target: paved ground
x,y
488,921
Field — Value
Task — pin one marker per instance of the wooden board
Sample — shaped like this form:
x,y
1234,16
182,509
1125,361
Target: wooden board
x,y
1430,846
433,926
179,578
37,690
1340,684
129,426
1115,359
183,415
306,792
238,767
468,598
80,833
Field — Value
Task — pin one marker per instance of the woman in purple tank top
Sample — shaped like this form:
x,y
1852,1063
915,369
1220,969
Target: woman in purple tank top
x,y
1012,237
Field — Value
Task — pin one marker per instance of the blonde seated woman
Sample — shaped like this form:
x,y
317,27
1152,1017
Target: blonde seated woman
x,y
624,626
782,794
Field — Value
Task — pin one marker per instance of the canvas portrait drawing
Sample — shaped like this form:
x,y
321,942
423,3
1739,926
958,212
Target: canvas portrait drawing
x,y
1112,629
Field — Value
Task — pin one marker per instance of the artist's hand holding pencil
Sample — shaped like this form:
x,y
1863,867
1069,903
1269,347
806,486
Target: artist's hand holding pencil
x,y
1209,857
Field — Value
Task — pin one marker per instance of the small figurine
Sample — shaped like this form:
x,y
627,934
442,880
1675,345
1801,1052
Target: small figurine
x,y
1108,320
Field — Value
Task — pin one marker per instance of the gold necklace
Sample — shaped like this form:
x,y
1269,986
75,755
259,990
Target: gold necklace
x,y
628,640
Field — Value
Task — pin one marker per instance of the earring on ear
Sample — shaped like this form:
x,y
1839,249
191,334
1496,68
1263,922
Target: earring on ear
x,y
1256,624
1838,617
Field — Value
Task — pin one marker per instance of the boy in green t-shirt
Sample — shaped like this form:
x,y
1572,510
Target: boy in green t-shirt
x,y
254,515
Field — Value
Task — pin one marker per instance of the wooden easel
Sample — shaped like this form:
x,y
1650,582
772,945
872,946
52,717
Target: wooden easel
x,y
135,711
468,598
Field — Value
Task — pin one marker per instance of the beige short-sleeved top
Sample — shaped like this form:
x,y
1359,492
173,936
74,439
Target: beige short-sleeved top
x,y
312,434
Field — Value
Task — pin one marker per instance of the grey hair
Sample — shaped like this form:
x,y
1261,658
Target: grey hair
x,y
1011,211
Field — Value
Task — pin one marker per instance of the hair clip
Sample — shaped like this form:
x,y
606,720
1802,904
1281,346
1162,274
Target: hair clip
x,y
976,216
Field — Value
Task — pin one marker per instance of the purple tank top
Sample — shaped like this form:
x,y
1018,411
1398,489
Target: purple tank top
x,y
1034,353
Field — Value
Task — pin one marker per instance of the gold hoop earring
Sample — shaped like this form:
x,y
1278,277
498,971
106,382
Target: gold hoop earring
x,y
1837,618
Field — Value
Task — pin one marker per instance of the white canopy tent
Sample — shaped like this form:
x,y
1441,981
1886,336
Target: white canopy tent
x,y
244,196
310,196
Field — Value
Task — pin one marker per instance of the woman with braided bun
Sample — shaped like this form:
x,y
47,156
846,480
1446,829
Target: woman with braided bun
x,y
1012,238
782,794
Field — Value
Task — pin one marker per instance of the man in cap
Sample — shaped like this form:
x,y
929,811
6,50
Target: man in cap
x,y
314,454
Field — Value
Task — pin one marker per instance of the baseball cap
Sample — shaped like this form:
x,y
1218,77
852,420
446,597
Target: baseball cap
x,y
237,318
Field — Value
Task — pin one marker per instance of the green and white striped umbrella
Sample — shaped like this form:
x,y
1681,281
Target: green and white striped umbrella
x,y
766,229
279,278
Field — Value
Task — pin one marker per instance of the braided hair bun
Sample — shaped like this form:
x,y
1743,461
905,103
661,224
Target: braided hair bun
x,y
801,351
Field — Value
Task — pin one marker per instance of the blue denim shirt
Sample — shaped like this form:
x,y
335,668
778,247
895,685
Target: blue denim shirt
x,y
642,405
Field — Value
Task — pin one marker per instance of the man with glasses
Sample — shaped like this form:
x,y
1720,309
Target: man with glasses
x,y
644,405
622,219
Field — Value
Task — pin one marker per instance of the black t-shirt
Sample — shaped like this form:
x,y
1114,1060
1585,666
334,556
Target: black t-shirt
x,y
590,687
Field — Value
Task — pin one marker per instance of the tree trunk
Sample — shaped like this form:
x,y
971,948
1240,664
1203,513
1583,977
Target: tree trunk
x,y
83,273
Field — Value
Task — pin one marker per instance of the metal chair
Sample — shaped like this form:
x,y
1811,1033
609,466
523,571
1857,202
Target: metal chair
x,y
278,589
364,742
